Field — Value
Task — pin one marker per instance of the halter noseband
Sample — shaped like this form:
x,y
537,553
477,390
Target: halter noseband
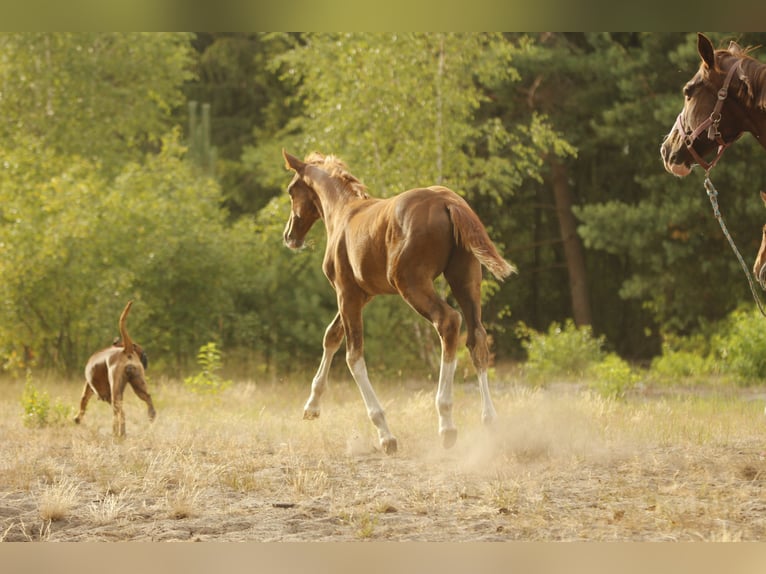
x,y
710,124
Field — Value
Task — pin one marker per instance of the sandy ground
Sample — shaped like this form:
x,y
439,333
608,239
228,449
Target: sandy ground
x,y
561,464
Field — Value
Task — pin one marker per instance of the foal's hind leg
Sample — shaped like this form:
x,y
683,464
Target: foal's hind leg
x,y
422,297
464,277
332,340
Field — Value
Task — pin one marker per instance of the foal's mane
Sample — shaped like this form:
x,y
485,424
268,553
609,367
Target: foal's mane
x,y
752,90
337,169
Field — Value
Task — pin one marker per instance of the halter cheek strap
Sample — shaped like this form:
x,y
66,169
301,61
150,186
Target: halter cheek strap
x,y
710,124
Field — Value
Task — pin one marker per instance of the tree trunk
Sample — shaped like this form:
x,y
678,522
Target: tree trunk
x,y
573,250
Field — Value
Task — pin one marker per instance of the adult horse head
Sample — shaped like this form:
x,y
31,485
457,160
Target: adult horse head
x,y
394,246
723,100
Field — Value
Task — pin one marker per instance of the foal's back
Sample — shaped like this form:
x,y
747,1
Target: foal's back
x,y
411,229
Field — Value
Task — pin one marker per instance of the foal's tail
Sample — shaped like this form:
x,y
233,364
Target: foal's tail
x,y
471,234
127,343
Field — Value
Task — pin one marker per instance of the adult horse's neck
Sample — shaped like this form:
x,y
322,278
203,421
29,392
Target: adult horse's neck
x,y
753,98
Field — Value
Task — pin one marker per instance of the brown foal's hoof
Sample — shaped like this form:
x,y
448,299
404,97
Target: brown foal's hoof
x,y
388,445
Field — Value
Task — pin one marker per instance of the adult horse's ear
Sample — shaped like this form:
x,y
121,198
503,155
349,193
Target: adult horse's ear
x,y
293,163
763,197
706,50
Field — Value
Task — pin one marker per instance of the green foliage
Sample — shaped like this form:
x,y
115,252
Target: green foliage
x,y
208,381
103,97
36,405
612,377
563,351
687,358
673,366
741,346
38,411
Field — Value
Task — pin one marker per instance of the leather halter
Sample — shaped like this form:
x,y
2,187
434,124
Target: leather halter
x,y
710,124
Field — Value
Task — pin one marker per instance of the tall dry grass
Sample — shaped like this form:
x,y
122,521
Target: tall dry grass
x,y
560,464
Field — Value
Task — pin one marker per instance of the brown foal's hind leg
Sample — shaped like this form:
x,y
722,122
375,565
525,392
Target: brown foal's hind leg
x,y
464,277
422,297
87,393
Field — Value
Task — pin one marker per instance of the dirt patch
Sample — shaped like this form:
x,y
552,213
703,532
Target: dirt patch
x,y
245,467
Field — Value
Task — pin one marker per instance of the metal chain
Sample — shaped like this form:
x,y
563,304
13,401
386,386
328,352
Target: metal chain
x,y
712,193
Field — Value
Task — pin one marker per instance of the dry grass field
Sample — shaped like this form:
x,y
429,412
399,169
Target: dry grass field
x,y
561,464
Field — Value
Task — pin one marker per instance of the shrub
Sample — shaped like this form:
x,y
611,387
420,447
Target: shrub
x,y
208,381
566,351
741,345
36,405
679,364
612,377
38,411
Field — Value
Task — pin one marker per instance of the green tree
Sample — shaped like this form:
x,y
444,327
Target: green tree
x,y
106,97
84,108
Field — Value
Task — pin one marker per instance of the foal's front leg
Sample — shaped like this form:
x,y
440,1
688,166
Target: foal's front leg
x,y
332,339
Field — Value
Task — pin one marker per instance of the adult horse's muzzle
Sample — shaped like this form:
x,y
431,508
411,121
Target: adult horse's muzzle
x,y
672,151
675,151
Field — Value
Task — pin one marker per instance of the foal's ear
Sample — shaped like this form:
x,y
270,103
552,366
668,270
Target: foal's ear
x,y
763,197
706,50
293,163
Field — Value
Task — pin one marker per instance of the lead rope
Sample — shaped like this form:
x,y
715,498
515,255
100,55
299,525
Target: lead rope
x,y
712,193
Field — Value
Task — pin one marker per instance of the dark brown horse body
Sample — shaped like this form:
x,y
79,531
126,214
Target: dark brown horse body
x,y
398,246
724,99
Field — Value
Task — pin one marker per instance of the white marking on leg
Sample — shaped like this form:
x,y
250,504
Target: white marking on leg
x,y
488,413
374,410
444,396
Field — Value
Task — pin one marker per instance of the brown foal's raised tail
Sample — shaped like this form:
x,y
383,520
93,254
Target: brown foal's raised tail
x,y
471,234
126,340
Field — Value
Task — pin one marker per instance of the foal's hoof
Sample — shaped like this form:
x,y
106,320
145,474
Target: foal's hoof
x,y
449,437
310,414
388,445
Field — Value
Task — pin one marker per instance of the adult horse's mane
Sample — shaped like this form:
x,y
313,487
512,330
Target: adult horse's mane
x,y
752,90
337,169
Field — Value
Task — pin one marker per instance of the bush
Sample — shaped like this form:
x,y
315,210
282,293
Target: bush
x,y
36,405
208,381
679,364
612,377
566,351
38,411
741,345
